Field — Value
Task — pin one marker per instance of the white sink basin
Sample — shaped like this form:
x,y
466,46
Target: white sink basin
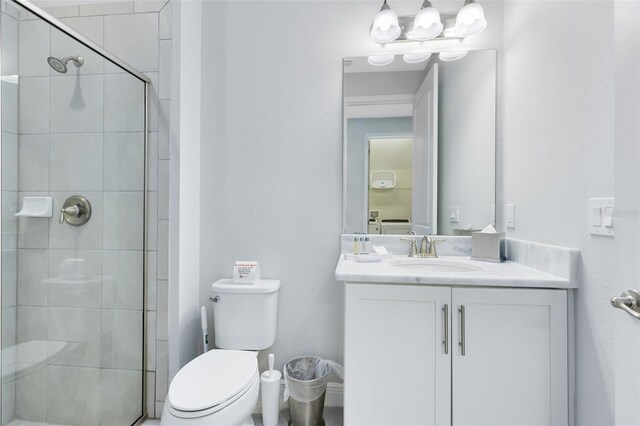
x,y
435,265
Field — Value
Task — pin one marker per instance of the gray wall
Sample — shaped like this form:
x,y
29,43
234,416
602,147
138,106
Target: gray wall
x,y
558,152
272,151
466,140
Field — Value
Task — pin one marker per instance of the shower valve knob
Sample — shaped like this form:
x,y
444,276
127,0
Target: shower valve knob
x,y
76,211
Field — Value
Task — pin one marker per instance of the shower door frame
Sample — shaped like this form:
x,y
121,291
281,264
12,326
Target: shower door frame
x,y
51,20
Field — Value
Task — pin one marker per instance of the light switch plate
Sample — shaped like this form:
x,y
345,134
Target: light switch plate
x,y
601,212
454,215
510,216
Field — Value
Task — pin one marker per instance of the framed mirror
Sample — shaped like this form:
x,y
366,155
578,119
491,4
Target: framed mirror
x,y
419,143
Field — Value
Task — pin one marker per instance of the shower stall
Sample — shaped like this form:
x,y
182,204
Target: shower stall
x,y
73,179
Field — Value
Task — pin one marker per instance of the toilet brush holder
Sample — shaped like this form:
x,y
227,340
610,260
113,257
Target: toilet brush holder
x,y
270,389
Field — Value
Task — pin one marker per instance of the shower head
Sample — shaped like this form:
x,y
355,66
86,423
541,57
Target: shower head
x,y
60,64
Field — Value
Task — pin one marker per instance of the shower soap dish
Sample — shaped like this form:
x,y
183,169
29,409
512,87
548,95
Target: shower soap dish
x,y
36,207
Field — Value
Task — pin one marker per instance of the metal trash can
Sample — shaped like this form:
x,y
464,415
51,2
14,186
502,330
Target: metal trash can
x,y
306,385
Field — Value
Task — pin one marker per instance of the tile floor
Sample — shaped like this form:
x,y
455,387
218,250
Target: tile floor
x,y
332,417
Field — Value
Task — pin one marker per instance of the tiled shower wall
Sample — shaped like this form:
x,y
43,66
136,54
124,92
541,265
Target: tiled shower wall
x,y
139,33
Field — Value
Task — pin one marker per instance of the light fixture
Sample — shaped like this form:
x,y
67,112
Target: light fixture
x,y
427,23
470,19
452,55
416,58
385,26
380,60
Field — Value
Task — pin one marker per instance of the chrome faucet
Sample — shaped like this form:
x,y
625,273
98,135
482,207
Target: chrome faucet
x,y
427,247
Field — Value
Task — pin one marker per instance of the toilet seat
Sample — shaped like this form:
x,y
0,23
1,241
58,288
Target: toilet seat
x,y
212,381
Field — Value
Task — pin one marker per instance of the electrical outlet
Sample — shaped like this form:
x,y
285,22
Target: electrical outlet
x,y
510,216
454,215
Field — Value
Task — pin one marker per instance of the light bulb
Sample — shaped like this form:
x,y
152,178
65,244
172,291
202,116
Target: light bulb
x,y
416,58
385,26
470,19
452,55
380,60
426,24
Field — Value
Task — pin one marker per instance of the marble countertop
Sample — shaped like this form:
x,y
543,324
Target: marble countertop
x,y
505,274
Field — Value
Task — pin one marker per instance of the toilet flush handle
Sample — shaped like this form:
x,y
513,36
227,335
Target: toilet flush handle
x,y
215,299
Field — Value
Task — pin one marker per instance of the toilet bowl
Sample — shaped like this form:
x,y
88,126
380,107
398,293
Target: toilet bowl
x,y
219,387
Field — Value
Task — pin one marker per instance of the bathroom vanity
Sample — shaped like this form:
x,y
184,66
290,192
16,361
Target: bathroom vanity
x,y
451,341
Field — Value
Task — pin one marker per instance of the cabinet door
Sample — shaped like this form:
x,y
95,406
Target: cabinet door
x,y
514,367
396,368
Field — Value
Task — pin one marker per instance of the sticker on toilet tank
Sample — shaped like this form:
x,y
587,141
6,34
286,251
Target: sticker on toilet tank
x,y
246,272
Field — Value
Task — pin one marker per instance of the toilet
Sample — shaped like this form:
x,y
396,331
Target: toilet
x,y
220,387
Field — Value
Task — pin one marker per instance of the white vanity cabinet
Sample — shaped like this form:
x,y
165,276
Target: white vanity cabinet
x,y
438,355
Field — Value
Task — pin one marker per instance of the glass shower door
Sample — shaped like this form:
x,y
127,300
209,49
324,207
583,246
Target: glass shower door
x,y
73,139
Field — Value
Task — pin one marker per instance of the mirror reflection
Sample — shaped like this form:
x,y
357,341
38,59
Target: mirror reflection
x,y
419,143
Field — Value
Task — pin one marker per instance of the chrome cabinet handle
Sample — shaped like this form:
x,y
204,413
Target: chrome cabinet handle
x,y
445,341
629,302
462,342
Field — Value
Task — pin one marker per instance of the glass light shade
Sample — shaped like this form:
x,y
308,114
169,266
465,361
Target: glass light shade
x,y
385,26
453,55
470,20
426,24
416,58
380,60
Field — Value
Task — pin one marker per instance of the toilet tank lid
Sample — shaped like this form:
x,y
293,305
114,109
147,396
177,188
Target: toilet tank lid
x,y
261,286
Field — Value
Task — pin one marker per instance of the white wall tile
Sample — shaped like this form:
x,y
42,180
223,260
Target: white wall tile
x,y
9,401
164,128
142,6
63,11
121,339
76,162
34,48
165,69
9,221
9,161
151,394
152,224
10,279
165,22
33,163
162,371
33,269
159,407
163,189
151,280
123,220
124,161
79,328
62,45
79,403
153,161
106,8
163,250
32,325
33,108
9,45
153,101
140,51
80,291
10,107
124,102
162,319
151,343
120,401
77,104
87,236
9,327
122,285
33,232
31,396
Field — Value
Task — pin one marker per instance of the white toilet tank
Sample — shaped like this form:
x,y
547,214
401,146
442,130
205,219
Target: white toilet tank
x,y
245,315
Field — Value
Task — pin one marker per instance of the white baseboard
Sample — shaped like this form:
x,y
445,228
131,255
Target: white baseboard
x,y
333,398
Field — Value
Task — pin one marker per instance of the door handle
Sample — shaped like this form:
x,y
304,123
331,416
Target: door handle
x,y
445,341
629,302
462,342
